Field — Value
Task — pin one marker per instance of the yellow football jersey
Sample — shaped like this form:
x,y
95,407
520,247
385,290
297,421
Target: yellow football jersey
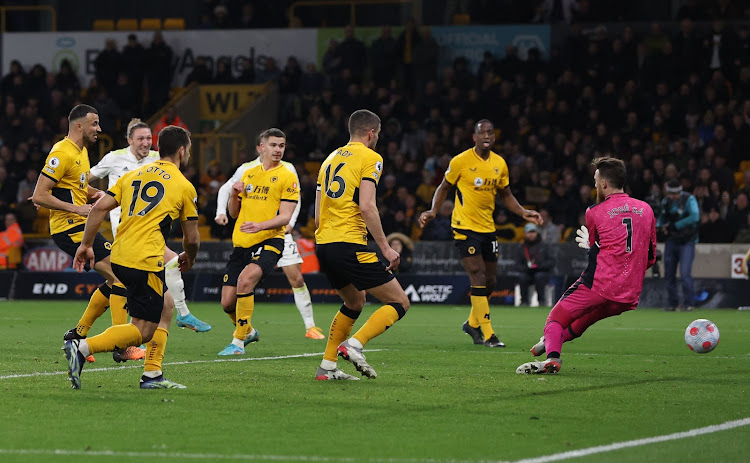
x,y
151,198
264,191
339,179
477,182
68,166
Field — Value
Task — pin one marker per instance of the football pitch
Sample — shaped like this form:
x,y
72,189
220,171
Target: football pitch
x,y
629,391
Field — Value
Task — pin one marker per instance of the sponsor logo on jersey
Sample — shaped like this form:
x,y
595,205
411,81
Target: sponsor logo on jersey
x,y
479,181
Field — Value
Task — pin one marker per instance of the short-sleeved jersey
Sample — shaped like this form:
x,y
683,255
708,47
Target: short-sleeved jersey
x,y
152,197
622,246
477,181
226,189
264,191
117,163
339,179
68,166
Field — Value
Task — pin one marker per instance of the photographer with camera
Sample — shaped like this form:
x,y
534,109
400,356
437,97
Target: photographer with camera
x,y
678,222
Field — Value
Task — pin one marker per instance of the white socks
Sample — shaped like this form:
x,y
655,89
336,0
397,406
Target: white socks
x,y
176,286
304,305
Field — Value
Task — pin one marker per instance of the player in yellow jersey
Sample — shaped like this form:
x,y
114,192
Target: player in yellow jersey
x,y
478,175
263,203
64,189
151,197
345,209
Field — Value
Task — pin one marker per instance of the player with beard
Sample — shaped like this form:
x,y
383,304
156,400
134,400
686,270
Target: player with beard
x,y
620,235
478,175
63,188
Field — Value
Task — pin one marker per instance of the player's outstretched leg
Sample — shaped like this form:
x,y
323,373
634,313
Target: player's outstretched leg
x,y
185,319
76,360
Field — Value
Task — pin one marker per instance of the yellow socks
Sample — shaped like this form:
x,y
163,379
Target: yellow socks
x,y
480,310
381,320
155,350
232,316
115,337
117,301
341,326
245,306
97,306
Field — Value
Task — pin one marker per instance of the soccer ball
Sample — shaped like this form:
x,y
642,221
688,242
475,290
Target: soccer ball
x,y
702,336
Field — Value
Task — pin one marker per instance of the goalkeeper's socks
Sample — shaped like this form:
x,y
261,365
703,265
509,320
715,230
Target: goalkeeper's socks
x,y
553,337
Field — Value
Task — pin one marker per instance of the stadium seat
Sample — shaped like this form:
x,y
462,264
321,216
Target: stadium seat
x,y
150,24
15,257
744,165
205,232
739,178
461,19
312,167
127,24
174,23
104,25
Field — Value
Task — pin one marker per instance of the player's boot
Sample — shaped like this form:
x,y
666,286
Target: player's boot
x,y
327,375
189,321
72,334
494,342
252,336
129,353
231,349
75,362
538,348
357,358
475,333
550,366
160,382
314,333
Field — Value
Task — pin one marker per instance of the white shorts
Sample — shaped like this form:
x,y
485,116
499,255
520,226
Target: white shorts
x,y
290,256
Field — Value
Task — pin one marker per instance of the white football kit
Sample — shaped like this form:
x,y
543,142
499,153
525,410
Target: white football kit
x,y
290,255
115,164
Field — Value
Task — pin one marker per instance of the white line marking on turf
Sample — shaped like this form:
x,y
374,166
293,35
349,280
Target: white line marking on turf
x,y
638,442
189,362
544,459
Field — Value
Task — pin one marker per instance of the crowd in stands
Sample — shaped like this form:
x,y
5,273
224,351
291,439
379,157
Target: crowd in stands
x,y
671,105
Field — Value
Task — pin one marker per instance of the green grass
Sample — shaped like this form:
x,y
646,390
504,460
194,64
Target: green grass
x,y
438,397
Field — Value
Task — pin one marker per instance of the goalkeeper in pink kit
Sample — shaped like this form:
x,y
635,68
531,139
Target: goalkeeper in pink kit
x,y
620,235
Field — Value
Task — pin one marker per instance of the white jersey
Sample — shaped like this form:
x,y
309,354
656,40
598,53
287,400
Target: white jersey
x,y
114,165
226,189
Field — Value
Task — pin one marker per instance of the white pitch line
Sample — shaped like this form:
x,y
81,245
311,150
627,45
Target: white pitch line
x,y
638,442
190,362
305,458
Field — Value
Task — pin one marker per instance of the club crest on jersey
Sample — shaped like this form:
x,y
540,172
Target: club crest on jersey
x,y
479,181
53,162
497,171
274,179
472,250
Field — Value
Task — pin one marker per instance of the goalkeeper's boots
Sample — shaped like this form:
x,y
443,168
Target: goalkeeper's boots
x,y
160,382
538,348
189,321
327,375
129,353
475,333
72,334
550,366
493,341
357,358
231,349
75,362
314,333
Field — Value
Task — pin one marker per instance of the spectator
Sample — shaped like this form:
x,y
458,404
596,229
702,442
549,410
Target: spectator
x,y
159,72
133,59
10,238
714,229
678,222
353,54
403,245
739,218
170,117
383,58
534,264
201,74
107,65
223,72
440,227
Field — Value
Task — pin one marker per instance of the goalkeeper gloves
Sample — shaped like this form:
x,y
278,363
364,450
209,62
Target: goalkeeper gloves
x,y
582,237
